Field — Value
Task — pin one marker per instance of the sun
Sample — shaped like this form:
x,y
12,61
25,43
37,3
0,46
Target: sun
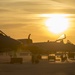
x,y
57,23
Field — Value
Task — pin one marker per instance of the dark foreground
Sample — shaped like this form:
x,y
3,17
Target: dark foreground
x,y
43,68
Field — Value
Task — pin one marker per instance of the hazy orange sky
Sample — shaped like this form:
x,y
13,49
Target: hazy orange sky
x,y
18,18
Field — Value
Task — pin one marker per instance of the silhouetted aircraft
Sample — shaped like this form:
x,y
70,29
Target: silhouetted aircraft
x,y
52,46
7,43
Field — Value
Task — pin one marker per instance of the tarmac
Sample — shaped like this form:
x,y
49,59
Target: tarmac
x,y
42,68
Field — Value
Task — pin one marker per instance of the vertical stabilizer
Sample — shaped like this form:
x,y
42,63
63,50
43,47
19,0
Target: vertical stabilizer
x,y
29,36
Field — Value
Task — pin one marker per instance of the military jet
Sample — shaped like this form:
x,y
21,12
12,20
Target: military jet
x,y
7,43
52,46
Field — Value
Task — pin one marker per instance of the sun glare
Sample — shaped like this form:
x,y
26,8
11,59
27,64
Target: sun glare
x,y
57,23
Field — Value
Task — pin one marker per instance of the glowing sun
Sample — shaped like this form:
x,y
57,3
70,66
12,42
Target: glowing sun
x,y
57,23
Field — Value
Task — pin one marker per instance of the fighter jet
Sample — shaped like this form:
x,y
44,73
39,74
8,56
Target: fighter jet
x,y
7,43
52,46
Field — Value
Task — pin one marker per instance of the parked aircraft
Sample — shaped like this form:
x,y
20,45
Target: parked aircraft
x,y
53,46
7,43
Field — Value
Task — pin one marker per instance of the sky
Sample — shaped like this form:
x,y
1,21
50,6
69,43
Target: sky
x,y
18,18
